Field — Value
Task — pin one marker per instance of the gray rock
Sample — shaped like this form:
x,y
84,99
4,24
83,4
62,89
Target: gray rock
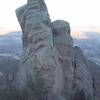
x,y
50,67
83,83
55,97
8,64
39,62
63,42
2,82
61,32
94,69
8,68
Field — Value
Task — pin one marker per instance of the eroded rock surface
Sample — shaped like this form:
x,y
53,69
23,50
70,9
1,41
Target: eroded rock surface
x,y
63,42
82,83
50,68
8,69
94,69
39,62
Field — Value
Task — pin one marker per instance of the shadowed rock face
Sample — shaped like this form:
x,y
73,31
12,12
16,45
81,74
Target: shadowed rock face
x,y
8,70
83,83
94,69
9,66
3,84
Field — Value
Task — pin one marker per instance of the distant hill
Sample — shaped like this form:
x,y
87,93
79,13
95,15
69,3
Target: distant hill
x,y
11,43
89,41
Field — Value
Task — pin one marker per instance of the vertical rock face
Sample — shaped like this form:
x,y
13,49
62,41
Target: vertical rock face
x,y
50,67
40,70
94,69
64,44
2,82
83,83
33,18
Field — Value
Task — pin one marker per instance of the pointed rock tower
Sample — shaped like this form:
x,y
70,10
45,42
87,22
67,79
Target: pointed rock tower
x,y
41,72
50,67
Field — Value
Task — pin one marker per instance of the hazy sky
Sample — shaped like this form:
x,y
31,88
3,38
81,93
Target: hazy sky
x,y
76,12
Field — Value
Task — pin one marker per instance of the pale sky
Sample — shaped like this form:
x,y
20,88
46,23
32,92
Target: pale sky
x,y
83,13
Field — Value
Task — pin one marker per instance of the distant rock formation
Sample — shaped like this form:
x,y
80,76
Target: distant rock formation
x,y
50,67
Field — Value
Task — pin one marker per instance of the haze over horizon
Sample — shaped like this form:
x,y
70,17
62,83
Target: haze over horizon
x,y
83,15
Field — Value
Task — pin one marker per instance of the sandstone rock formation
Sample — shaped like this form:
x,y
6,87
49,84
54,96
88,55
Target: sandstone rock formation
x,y
8,69
50,67
86,75
64,44
39,63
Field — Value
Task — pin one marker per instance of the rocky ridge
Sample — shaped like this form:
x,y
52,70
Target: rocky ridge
x,y
50,67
